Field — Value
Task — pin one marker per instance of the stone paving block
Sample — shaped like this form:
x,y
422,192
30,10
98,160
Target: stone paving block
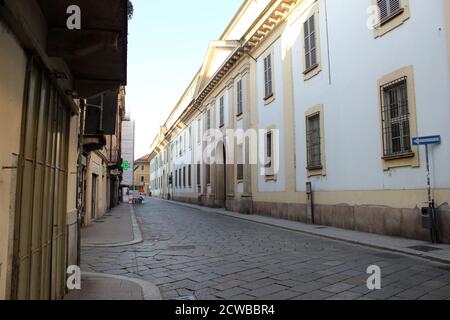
x,y
266,291
227,294
258,283
338,288
310,286
314,295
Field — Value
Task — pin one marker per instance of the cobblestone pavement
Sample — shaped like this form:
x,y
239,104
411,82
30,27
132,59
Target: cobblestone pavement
x,y
188,252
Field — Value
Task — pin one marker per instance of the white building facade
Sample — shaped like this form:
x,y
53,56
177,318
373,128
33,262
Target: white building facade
x,y
328,97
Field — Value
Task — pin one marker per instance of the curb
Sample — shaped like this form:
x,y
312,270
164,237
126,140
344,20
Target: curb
x,y
310,233
149,290
137,236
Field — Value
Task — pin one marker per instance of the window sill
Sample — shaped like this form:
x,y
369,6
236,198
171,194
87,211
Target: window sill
x,y
271,178
239,115
310,69
399,156
314,168
269,99
240,180
391,17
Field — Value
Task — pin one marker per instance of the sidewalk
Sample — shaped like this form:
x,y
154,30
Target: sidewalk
x,y
417,248
115,229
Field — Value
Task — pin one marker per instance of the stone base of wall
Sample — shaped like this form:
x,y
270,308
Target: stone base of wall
x,y
405,223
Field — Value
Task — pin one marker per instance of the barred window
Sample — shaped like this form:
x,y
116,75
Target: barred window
x,y
176,178
222,112
310,43
240,164
313,141
388,9
268,76
190,176
239,98
269,153
395,117
208,174
199,168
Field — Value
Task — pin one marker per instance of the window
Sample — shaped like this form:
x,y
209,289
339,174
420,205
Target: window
x,y
208,119
239,98
392,14
189,176
313,145
221,111
310,44
269,153
190,137
179,178
388,9
240,163
208,174
184,177
395,117
181,146
142,179
176,178
142,168
268,85
199,131
199,168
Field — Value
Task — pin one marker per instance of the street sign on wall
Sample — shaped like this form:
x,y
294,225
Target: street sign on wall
x,y
429,140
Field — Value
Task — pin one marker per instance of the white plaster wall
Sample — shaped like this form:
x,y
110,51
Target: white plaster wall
x,y
271,115
352,113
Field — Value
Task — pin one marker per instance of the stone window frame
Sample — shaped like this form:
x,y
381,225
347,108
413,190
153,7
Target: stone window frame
x,y
414,159
393,21
317,110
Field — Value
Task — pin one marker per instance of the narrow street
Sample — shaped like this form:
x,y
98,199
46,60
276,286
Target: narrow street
x,y
195,254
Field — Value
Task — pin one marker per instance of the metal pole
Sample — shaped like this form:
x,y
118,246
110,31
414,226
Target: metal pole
x,y
430,198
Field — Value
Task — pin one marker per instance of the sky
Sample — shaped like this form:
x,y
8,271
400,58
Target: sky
x,y
166,47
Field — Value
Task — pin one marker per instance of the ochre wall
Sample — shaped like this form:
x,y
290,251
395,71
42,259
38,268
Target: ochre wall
x,y
12,78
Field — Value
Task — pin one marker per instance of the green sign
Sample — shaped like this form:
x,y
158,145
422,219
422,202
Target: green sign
x,y
126,165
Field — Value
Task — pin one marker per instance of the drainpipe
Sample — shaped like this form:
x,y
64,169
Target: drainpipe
x,y
80,179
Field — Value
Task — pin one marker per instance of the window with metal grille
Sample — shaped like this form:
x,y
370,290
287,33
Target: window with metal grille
x,y
268,85
240,164
269,153
239,98
395,117
313,141
189,176
208,174
222,112
199,168
388,9
310,43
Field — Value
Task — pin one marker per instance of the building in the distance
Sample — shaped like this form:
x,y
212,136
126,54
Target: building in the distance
x,y
128,135
314,95
142,174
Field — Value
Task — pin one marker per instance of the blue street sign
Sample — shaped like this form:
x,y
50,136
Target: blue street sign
x,y
424,141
